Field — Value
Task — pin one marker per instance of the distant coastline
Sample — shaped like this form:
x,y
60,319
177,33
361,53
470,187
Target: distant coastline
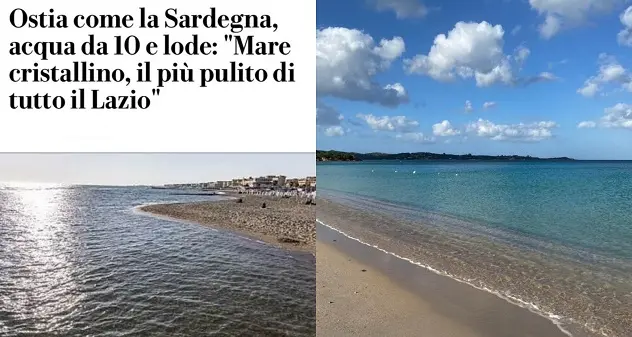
x,y
333,155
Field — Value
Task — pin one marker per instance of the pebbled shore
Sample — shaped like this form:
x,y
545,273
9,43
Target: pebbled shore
x,y
284,222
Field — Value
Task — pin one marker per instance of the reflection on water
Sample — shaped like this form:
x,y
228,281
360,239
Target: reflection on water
x,y
78,261
41,245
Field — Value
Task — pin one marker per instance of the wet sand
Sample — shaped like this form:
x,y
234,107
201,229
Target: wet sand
x,y
574,293
284,222
410,301
370,304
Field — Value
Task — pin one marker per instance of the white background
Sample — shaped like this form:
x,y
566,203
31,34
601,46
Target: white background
x,y
223,117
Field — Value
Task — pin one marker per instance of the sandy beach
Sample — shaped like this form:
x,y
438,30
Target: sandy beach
x,y
284,222
362,291
353,302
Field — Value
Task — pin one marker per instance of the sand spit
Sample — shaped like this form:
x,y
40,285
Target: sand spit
x,y
283,222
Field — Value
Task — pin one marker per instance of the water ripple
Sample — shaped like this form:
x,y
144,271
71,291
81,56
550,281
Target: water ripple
x,y
76,262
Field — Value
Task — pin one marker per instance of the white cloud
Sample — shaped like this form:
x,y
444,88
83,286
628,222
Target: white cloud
x,y
469,50
546,76
389,123
625,35
415,137
532,132
333,131
559,14
468,107
444,129
522,53
327,116
618,116
550,26
586,125
403,8
347,60
610,72
589,89
489,105
516,30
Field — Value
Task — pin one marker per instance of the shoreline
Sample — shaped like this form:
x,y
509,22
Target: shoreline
x,y
431,286
368,303
286,223
543,284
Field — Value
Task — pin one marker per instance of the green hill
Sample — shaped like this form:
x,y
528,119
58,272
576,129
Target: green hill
x,y
333,155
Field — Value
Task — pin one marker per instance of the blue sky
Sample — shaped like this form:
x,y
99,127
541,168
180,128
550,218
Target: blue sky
x,y
556,76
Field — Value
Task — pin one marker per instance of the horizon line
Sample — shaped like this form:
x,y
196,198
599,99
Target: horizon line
x,y
490,155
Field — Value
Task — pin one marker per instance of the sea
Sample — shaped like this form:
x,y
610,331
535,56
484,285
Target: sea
x,y
554,237
82,261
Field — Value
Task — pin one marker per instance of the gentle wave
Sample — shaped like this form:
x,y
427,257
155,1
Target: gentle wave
x,y
555,319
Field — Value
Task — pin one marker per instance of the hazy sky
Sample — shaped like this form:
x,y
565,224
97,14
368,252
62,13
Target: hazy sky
x,y
147,168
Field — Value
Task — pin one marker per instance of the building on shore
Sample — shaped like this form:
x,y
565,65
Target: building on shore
x,y
224,184
269,182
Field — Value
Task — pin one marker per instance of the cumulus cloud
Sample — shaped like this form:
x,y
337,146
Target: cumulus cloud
x,y
415,137
389,123
589,89
444,129
586,125
610,72
469,50
333,131
618,116
489,105
347,61
625,35
516,30
559,14
468,107
532,132
403,8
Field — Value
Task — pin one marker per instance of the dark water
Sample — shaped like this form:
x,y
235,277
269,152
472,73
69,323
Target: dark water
x,y
78,261
557,236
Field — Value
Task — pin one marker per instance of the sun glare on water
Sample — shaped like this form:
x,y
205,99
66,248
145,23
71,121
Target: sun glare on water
x,y
44,248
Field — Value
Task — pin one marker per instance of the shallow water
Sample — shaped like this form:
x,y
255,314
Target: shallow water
x,y
78,261
556,235
478,312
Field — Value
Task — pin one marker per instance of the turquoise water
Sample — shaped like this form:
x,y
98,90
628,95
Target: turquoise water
x,y
583,205
556,236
